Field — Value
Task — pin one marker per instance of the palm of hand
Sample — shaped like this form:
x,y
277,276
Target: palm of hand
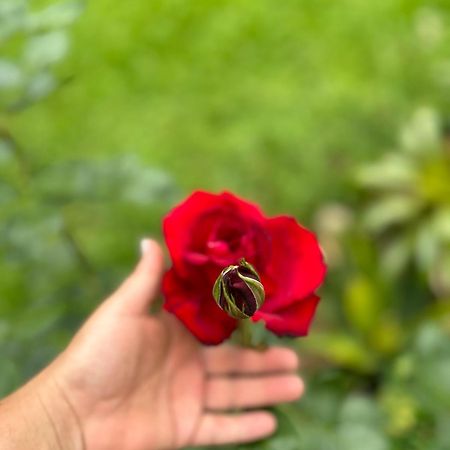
x,y
140,382
145,390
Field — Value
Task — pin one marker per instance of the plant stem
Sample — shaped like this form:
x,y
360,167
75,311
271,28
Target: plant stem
x,y
245,333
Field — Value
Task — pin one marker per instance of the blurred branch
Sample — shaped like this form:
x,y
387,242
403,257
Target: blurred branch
x,y
78,252
18,152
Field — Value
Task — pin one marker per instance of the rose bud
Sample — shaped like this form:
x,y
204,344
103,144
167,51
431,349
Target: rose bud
x,y
238,290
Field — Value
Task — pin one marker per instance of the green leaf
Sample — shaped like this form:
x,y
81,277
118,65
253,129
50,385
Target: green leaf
x,y
356,436
341,349
360,409
123,178
441,224
422,134
429,339
393,172
40,86
427,247
391,210
387,336
46,49
56,15
362,303
395,256
12,17
439,276
400,410
10,75
435,382
6,153
442,430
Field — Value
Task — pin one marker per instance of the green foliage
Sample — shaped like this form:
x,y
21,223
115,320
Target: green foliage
x,y
68,230
67,234
411,205
274,102
389,350
31,43
282,103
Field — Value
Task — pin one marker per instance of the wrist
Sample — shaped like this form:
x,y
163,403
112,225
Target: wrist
x,y
38,416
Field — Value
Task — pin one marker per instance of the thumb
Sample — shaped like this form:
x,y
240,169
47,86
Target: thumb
x,y
140,289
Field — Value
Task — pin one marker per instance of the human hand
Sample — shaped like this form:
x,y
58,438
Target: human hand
x,y
134,381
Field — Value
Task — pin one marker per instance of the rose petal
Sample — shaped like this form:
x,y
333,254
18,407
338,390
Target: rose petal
x,y
296,268
294,320
184,224
178,224
197,310
247,210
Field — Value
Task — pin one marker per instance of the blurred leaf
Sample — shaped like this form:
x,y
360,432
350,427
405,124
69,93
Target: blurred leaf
x,y
422,134
360,409
40,86
123,178
443,431
435,382
323,397
404,367
296,432
392,210
54,16
440,273
6,154
12,14
46,49
10,75
38,240
394,171
433,184
362,303
355,436
429,339
342,350
441,224
388,336
401,411
395,256
427,247
437,312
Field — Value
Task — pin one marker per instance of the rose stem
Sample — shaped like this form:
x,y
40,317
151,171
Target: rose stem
x,y
245,333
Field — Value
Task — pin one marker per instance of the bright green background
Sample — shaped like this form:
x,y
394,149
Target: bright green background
x,y
264,98
106,123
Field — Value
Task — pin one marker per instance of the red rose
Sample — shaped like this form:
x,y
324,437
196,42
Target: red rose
x,y
208,232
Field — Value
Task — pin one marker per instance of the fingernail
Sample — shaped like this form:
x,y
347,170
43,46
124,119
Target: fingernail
x,y
144,245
